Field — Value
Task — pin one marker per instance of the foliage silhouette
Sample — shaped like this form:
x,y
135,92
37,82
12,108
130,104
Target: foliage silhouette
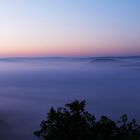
x,y
73,122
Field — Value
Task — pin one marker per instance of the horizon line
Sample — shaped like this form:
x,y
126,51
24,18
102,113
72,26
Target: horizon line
x,y
35,57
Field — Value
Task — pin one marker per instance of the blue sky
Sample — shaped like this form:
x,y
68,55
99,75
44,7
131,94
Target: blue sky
x,y
69,27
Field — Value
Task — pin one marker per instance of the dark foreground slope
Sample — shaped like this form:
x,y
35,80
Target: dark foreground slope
x,y
73,122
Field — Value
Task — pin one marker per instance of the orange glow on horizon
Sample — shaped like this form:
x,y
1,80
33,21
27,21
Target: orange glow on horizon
x,y
65,48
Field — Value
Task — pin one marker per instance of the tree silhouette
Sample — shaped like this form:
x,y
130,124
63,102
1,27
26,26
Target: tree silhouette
x,y
73,122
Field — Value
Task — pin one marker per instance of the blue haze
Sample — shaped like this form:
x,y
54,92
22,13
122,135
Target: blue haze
x,y
30,86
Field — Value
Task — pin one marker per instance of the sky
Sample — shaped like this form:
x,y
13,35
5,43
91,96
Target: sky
x,y
69,27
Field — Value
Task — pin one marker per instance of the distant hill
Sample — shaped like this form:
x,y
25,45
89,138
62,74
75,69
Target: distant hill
x,y
71,59
105,59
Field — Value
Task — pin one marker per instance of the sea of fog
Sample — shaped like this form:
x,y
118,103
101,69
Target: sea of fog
x,y
30,86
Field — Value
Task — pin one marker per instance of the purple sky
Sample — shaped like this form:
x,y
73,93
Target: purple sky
x,y
69,27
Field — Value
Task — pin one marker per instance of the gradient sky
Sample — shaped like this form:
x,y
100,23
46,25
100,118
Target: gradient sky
x,y
69,27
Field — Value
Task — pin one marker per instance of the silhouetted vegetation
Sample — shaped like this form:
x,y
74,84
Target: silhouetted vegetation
x,y
73,122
